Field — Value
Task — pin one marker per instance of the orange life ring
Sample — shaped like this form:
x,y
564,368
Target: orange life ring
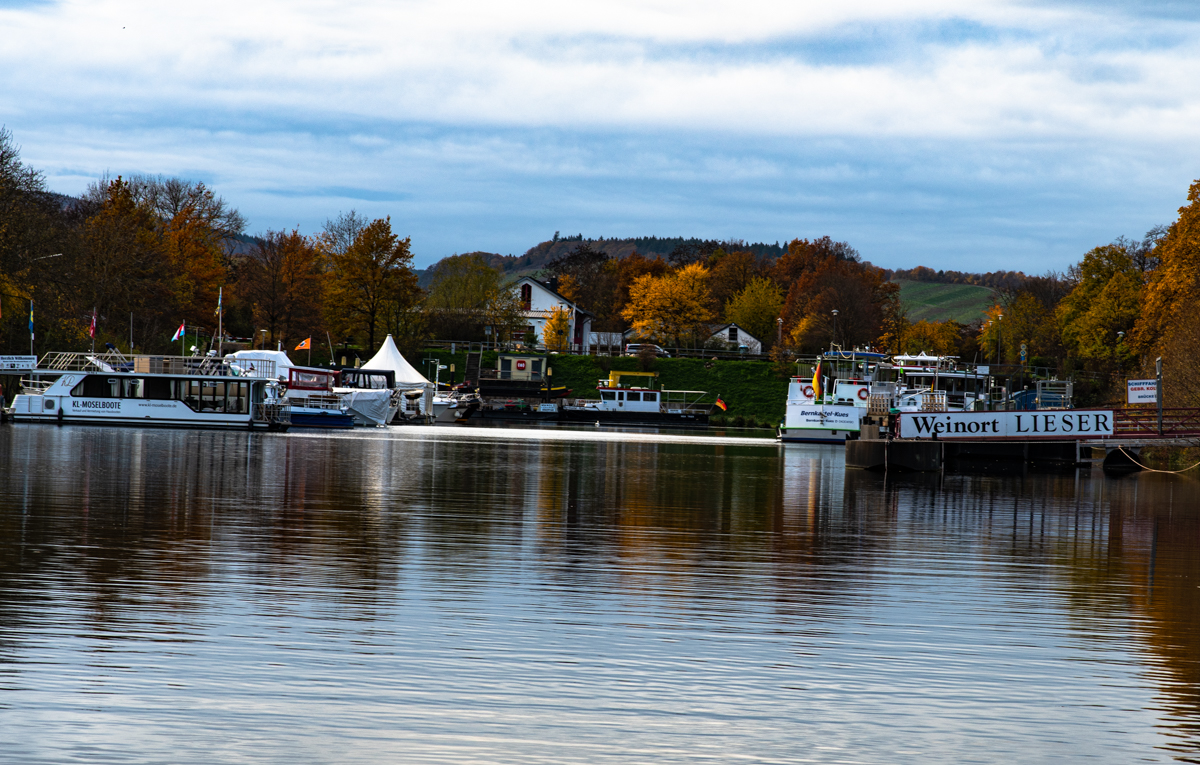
x,y
862,393
809,392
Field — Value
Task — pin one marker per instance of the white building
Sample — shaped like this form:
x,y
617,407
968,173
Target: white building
x,y
538,302
737,338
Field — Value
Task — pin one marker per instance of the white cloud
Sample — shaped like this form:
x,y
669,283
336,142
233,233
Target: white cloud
x,y
763,112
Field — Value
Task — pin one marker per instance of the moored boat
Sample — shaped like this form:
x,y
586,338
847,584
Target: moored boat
x,y
164,391
633,398
828,408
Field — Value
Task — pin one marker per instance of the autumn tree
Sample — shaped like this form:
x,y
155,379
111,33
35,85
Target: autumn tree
x,y
589,278
1173,288
1105,301
372,276
556,334
676,305
756,308
461,291
281,280
731,273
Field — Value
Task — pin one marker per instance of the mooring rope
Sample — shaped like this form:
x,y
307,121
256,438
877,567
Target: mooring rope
x,y
1154,470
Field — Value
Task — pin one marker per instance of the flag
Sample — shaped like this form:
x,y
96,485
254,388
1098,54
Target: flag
x,y
816,381
31,318
219,293
92,329
721,404
179,332
305,345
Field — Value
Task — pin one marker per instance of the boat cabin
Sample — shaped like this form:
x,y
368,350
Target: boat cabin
x,y
367,379
524,367
311,380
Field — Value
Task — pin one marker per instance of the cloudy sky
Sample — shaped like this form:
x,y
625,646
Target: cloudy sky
x,y
974,136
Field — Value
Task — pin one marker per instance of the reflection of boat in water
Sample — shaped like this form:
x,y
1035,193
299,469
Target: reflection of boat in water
x,y
171,391
624,403
829,407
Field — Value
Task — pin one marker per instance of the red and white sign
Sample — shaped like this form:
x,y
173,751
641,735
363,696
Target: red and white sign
x,y
1141,391
520,365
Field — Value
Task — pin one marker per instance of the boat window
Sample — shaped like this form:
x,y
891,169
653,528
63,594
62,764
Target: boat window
x,y
648,396
157,388
633,395
114,388
608,395
133,388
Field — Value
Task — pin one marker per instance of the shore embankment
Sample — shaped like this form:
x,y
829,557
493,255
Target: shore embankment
x,y
752,390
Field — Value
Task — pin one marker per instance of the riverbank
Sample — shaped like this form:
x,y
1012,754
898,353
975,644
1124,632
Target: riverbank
x,y
751,390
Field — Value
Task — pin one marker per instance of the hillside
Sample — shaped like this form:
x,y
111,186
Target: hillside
x,y
941,302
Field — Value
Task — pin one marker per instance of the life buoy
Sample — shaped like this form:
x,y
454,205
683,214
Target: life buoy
x,y
862,393
809,392
521,364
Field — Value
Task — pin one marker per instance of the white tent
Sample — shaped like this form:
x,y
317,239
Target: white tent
x,y
389,357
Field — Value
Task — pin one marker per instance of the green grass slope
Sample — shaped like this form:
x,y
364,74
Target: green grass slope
x,y
944,302
750,389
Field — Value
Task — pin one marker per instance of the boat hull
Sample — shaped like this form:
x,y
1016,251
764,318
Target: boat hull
x,y
323,419
685,419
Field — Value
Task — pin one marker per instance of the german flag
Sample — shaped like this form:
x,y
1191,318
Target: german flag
x,y
721,404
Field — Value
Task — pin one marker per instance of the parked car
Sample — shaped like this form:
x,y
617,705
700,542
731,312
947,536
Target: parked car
x,y
633,349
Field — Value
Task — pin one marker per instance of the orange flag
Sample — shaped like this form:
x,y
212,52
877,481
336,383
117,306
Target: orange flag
x,y
304,346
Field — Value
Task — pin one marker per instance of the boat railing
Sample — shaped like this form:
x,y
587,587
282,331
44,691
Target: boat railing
x,y
331,403
206,366
271,413
879,403
685,401
34,387
933,401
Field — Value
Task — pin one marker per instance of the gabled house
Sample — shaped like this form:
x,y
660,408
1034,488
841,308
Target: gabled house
x,y
538,301
737,338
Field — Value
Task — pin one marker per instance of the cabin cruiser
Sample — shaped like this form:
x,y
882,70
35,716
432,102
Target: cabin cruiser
x,y
634,398
168,391
828,407
312,400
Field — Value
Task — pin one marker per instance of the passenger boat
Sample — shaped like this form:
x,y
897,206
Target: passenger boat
x,y
633,398
828,407
951,386
166,391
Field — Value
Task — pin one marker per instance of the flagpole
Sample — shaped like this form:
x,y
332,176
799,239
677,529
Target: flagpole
x,y
220,336
31,353
93,333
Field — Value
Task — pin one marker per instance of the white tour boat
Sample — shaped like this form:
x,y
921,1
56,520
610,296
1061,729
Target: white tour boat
x,y
170,391
828,407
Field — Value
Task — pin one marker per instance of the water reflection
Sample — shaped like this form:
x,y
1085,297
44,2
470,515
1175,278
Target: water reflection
x,y
444,595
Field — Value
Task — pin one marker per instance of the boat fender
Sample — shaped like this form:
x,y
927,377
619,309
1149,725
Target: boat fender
x,y
862,393
60,415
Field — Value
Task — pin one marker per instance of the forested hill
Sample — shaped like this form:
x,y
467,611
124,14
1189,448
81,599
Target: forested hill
x,y
539,255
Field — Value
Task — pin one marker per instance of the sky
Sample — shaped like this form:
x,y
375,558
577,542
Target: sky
x,y
971,136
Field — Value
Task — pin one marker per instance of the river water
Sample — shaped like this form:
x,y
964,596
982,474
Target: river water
x,y
445,595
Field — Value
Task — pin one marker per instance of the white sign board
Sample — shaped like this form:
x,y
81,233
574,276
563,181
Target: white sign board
x,y
824,417
17,363
1142,391
1064,424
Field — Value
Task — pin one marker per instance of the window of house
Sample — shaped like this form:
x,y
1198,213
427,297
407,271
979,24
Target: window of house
x,y
526,297
733,338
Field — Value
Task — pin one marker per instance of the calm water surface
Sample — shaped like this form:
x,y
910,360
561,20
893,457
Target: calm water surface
x,y
548,596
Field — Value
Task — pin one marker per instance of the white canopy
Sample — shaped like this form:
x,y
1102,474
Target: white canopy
x,y
389,357
244,360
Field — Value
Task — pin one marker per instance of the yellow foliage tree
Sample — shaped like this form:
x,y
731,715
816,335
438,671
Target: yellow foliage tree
x,y
677,305
1173,290
939,338
556,335
1106,300
370,280
756,308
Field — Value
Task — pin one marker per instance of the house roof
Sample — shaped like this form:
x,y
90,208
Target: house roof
x,y
726,326
546,287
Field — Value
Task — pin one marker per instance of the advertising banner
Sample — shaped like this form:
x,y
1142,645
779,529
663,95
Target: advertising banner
x,y
1141,391
1060,424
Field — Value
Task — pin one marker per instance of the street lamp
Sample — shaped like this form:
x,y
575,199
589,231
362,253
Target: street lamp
x,y
264,340
999,338
779,338
835,327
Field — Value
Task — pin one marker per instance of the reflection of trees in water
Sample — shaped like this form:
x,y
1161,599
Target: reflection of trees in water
x,y
1122,555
